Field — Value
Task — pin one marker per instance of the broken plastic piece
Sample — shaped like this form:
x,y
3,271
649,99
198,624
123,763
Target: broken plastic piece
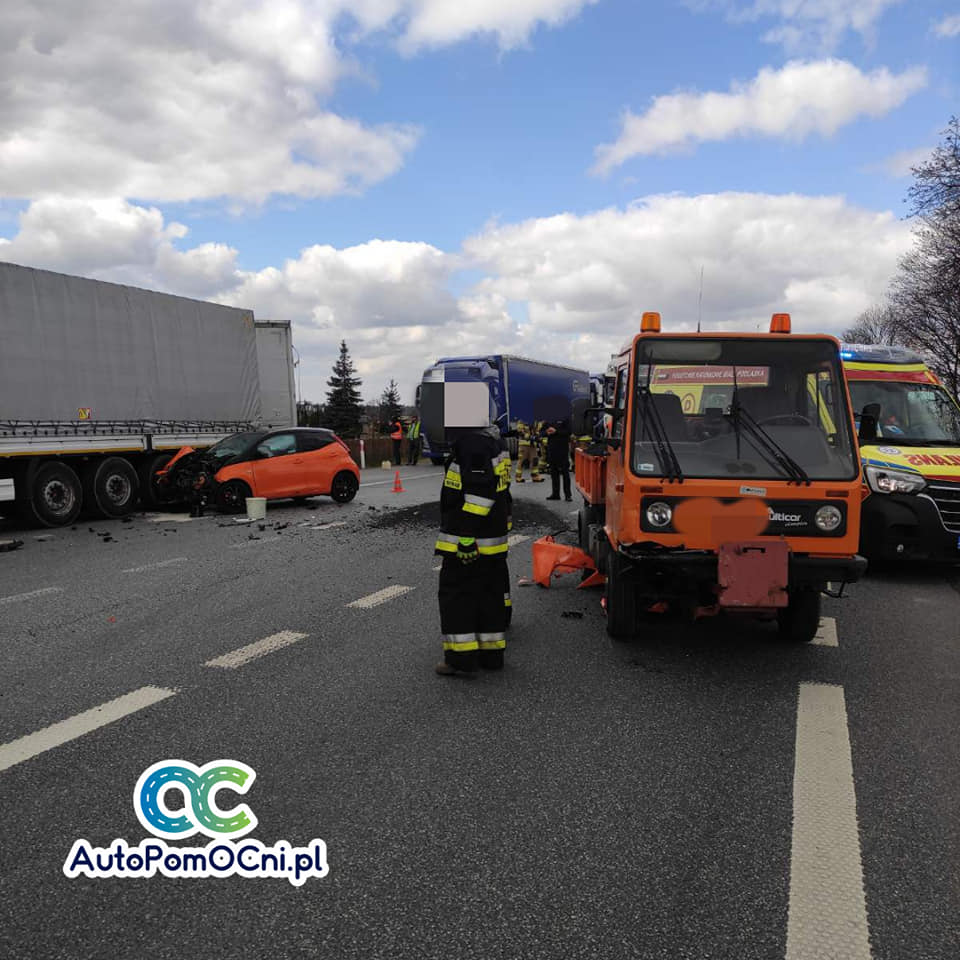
x,y
552,559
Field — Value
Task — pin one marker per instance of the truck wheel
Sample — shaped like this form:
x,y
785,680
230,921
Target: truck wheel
x,y
110,487
622,621
799,621
147,474
344,487
232,496
55,495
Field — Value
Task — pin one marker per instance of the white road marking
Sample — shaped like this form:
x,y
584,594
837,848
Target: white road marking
x,y
381,596
324,526
155,566
827,914
423,476
437,566
573,513
237,658
250,543
516,538
17,597
172,518
827,634
64,731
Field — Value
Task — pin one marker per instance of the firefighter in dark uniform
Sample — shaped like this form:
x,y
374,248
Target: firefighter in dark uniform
x,y
475,518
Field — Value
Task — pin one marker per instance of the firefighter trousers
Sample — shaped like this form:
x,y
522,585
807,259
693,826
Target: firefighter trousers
x,y
474,612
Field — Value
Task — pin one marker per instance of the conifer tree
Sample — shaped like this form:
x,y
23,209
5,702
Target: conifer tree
x,y
343,406
390,405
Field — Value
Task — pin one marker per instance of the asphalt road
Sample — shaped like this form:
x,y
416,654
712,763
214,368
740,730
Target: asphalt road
x,y
664,798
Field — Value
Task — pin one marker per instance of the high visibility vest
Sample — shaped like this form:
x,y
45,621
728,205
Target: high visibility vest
x,y
397,431
414,432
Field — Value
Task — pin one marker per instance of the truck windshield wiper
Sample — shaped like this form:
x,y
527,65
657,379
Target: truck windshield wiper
x,y
650,414
766,443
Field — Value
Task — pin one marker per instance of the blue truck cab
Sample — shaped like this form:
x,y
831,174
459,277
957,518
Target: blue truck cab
x,y
512,389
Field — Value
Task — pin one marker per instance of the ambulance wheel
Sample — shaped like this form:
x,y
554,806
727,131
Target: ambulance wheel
x,y
622,621
800,620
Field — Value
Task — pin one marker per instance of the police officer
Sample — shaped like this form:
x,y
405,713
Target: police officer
x,y
475,518
558,457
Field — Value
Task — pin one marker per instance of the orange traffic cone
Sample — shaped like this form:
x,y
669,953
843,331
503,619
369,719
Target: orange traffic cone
x,y
397,485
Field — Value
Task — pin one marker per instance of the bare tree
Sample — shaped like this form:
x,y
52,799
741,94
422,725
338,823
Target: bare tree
x,y
926,290
878,324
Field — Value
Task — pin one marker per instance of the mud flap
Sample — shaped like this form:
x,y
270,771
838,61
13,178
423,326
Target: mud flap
x,y
753,574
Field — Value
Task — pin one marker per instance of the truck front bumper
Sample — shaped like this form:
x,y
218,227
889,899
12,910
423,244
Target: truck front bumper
x,y
905,527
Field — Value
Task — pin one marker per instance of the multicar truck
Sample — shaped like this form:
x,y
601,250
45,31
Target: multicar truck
x,y
510,390
729,481
910,447
100,384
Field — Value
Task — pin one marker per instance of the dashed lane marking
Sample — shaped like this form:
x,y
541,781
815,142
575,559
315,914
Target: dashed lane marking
x,y
381,596
155,566
172,518
237,658
17,597
516,538
827,915
64,731
827,634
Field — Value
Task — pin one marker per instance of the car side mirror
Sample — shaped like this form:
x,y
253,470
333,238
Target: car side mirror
x,y
868,423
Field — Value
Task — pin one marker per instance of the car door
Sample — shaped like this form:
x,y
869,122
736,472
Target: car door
x,y
278,469
321,456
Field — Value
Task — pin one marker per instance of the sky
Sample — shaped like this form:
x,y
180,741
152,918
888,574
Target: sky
x,y
426,178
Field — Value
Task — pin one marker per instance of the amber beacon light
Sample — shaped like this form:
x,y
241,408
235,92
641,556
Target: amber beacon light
x,y
780,323
650,322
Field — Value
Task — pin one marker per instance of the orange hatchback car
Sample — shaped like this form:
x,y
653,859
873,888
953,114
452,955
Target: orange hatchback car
x,y
279,464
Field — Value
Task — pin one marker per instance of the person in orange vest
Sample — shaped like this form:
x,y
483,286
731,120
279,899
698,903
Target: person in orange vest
x,y
396,435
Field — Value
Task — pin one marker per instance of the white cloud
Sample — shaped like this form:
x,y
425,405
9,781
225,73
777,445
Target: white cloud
x,y
793,102
948,26
195,99
805,24
900,164
564,288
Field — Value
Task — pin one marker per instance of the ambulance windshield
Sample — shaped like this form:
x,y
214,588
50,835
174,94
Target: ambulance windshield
x,y
917,414
747,408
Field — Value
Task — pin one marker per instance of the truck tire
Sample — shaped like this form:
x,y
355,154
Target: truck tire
x,y
622,620
344,487
55,495
800,620
147,474
232,496
110,487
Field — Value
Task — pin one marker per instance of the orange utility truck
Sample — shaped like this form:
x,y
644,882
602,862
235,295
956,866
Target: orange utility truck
x,y
729,480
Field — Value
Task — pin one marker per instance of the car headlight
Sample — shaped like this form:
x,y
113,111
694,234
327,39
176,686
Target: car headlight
x,y
882,480
659,514
828,518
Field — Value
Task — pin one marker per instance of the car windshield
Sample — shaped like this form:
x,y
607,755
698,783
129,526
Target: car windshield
x,y
747,408
233,446
910,413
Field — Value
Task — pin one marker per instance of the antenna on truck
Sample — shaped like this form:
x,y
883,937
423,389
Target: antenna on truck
x,y
700,300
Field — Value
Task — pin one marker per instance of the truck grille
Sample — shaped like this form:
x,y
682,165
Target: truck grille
x,y
946,496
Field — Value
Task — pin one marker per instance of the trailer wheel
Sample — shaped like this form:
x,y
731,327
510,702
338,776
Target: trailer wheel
x,y
232,496
55,495
622,621
799,621
110,487
344,487
147,474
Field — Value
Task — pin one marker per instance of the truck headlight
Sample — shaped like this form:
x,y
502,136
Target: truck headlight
x,y
882,480
659,514
828,518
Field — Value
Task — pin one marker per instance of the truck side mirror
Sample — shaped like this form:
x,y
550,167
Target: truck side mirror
x,y
868,423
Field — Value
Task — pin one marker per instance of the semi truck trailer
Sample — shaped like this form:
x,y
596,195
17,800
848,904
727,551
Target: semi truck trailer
x,y
508,390
101,383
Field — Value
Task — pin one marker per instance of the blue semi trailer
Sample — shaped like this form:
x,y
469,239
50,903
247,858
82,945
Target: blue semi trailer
x,y
507,390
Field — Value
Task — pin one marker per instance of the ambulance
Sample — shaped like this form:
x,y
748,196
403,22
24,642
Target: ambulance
x,y
909,432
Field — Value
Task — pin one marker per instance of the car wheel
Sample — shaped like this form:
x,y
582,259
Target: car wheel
x,y
800,620
344,487
110,487
622,620
147,472
55,495
232,496
438,461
